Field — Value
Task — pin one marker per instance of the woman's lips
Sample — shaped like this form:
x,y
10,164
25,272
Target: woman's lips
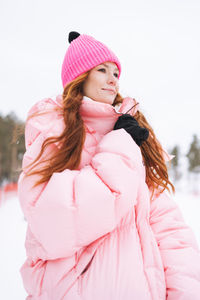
x,y
109,90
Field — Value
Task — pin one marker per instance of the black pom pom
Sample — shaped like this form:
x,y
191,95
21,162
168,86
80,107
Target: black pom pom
x,y
72,36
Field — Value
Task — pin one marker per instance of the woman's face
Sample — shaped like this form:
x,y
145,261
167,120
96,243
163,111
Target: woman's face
x,y
102,83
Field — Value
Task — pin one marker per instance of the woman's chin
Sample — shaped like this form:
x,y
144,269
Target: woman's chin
x,y
106,99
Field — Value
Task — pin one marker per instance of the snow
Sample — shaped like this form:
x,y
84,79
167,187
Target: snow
x,y
13,230
189,205
12,250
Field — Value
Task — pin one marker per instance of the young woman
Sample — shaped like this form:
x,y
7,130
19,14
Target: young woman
x,y
94,193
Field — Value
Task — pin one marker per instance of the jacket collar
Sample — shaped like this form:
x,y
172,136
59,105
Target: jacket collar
x,y
101,117
98,116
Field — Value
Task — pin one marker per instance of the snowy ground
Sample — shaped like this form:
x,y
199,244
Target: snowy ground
x,y
12,236
12,251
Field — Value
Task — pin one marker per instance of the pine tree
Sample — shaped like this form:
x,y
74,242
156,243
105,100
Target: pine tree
x,y
175,162
193,155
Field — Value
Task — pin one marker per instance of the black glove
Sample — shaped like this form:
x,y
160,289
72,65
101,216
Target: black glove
x,y
131,126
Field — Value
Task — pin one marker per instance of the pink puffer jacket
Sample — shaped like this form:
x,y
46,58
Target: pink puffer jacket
x,y
93,233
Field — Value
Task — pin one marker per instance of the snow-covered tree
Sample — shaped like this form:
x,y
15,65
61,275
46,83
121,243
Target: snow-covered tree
x,y
193,155
176,173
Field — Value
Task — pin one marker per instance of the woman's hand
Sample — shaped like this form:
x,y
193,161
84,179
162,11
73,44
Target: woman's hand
x,y
131,126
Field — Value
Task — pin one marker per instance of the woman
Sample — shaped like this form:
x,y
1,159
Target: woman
x,y
93,190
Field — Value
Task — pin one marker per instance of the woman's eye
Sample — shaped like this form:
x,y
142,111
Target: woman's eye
x,y
102,69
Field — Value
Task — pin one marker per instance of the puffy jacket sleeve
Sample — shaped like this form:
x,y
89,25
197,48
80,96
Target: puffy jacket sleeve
x,y
178,248
76,207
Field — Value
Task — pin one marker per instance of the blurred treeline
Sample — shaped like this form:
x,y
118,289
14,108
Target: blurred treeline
x,y
192,157
12,148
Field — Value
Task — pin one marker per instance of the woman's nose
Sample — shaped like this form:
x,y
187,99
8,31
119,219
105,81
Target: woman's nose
x,y
112,79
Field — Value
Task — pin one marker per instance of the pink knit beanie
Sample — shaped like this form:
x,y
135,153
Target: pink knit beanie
x,y
83,54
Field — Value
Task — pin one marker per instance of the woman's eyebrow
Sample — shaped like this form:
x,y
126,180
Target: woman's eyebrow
x,y
107,66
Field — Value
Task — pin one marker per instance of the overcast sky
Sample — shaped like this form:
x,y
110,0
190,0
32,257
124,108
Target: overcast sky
x,y
157,42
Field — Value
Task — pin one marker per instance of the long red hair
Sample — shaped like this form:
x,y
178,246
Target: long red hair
x,y
72,139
